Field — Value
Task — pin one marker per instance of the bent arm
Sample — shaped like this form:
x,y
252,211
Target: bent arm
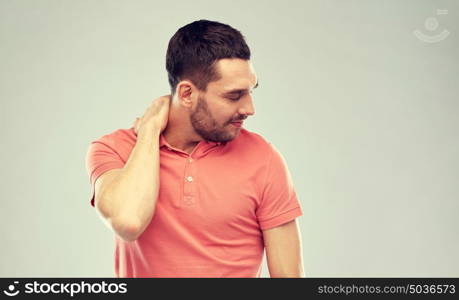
x,y
126,197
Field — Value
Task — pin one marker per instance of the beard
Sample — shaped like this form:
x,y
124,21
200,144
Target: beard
x,y
205,125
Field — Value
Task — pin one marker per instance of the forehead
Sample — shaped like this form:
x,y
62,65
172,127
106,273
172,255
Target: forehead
x,y
234,73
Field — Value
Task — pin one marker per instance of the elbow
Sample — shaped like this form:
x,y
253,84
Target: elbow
x,y
127,230
126,226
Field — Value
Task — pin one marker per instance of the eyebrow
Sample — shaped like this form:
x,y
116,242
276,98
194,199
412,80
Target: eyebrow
x,y
237,91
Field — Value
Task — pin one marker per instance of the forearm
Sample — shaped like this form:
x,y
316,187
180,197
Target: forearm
x,y
130,199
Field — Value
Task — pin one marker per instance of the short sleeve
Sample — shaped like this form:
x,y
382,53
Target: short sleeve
x,y
279,203
100,158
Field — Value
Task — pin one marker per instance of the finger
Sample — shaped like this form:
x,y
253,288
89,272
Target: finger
x,y
136,125
165,98
165,101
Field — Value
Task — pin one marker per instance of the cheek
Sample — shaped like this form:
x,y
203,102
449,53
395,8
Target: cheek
x,y
224,113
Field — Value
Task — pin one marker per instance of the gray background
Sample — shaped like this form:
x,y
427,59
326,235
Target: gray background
x,y
364,113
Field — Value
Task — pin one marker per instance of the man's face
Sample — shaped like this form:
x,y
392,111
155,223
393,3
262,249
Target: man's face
x,y
219,113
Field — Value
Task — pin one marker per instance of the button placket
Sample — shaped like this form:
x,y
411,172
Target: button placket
x,y
189,192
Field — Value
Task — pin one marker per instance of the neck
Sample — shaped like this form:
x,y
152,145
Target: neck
x,y
179,133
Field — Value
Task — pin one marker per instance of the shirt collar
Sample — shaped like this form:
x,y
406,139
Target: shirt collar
x,y
164,143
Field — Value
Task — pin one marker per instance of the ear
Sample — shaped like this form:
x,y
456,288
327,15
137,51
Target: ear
x,y
186,93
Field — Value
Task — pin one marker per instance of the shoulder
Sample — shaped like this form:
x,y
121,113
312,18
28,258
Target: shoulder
x,y
258,148
118,136
252,143
120,141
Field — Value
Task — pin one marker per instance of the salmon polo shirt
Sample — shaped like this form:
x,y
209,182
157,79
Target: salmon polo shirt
x,y
211,209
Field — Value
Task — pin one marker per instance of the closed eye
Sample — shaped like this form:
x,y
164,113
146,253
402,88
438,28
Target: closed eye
x,y
235,95
234,98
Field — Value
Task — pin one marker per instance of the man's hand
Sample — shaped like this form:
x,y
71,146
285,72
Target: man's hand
x,y
155,116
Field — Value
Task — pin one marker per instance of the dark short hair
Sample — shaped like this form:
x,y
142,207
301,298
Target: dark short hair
x,y
196,47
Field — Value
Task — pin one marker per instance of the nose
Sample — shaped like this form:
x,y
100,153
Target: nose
x,y
247,107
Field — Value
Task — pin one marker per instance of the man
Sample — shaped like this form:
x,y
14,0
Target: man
x,y
187,191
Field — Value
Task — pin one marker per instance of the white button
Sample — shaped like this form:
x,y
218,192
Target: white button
x,y
189,178
190,159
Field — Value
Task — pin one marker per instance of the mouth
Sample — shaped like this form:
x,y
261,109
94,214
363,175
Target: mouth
x,y
237,124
